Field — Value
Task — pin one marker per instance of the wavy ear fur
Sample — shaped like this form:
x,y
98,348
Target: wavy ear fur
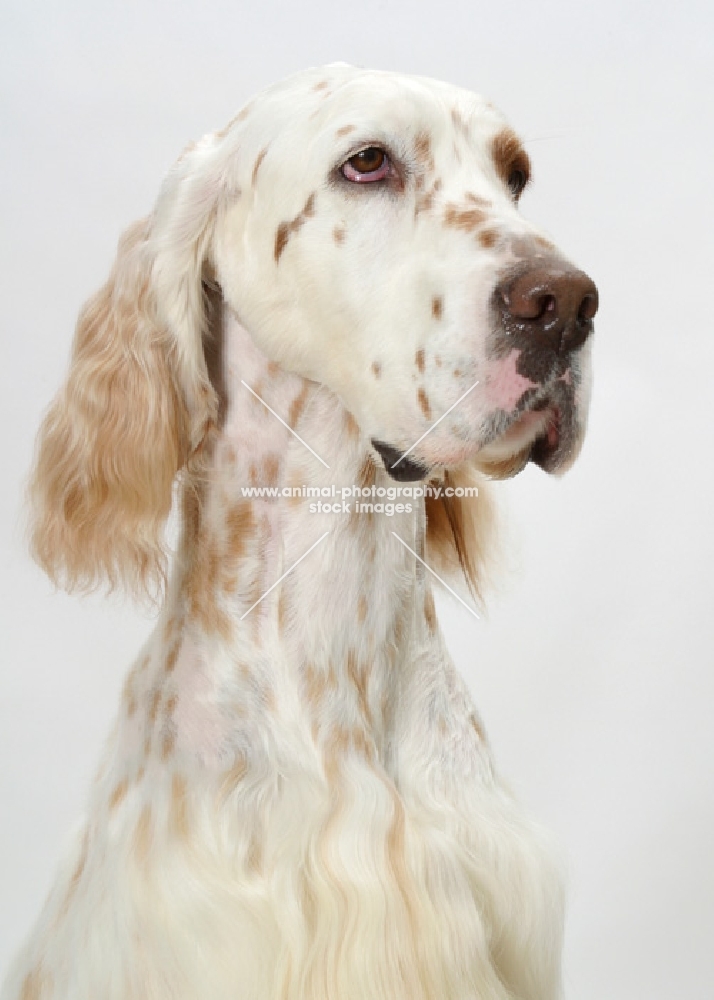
x,y
460,530
136,404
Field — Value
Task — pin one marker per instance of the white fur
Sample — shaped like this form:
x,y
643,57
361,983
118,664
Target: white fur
x,y
264,825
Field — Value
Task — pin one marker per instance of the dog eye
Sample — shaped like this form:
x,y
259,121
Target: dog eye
x,y
369,164
517,180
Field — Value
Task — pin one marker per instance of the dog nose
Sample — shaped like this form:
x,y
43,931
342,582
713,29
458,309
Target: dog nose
x,y
548,302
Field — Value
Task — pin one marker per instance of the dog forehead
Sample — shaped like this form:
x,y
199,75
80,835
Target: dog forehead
x,y
351,98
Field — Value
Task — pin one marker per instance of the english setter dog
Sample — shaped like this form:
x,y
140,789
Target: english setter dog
x,y
334,293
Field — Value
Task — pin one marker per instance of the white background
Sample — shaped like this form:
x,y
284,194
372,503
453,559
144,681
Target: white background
x,y
594,668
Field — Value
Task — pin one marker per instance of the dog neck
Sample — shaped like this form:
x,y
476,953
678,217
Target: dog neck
x,y
301,605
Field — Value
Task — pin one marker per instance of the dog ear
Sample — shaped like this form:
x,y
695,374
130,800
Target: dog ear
x,y
461,531
137,402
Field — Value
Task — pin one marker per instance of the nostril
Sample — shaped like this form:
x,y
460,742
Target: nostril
x,y
549,307
588,307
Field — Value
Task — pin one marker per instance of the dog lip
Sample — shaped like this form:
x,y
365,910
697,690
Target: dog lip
x,y
546,446
407,471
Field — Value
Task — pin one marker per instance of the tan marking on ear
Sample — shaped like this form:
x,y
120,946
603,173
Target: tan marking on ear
x,y
118,794
508,154
170,706
437,360
457,373
273,368
361,608
338,234
143,834
345,130
437,306
419,359
239,526
424,403
465,219
172,655
147,746
376,369
116,435
430,611
488,238
229,457
141,771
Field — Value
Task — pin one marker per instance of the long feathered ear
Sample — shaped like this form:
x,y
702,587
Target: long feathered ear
x,y
461,529
136,404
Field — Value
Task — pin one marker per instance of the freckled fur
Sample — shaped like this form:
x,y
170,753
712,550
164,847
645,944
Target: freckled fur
x,y
296,800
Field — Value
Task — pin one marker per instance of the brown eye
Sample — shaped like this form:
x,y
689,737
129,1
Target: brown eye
x,y
370,164
368,160
517,180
